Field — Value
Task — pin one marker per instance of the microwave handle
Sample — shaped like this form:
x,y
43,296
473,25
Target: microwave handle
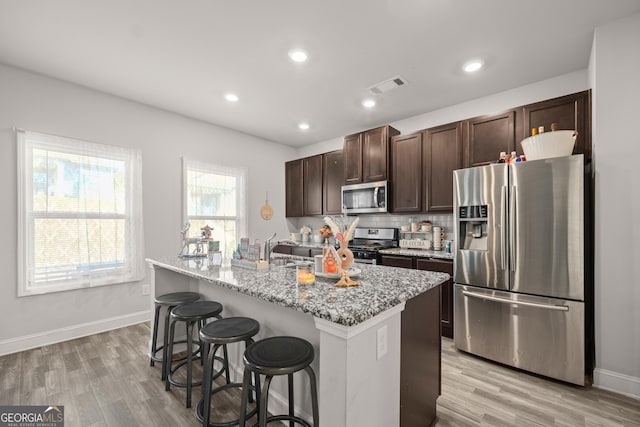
x,y
375,197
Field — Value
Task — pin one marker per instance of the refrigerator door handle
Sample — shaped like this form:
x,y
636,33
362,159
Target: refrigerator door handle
x,y
510,301
503,228
512,228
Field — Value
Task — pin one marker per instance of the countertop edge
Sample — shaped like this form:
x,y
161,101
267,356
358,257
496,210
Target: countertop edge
x,y
322,311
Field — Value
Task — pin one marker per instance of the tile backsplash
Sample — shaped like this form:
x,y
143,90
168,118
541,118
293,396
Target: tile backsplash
x,y
379,220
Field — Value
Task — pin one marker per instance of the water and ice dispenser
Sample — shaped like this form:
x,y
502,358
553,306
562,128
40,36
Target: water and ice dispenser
x,y
472,227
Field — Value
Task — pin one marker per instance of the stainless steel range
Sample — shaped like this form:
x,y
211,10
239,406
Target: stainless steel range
x,y
368,241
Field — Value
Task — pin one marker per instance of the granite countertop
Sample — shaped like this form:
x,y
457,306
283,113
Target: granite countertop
x,y
381,288
417,252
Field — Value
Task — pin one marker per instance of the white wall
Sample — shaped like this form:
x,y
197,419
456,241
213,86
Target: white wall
x,y
38,103
615,72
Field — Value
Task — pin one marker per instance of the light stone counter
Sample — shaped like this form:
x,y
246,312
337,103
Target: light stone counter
x,y
381,288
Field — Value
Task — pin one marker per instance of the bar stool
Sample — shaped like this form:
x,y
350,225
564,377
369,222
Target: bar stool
x,y
192,313
169,301
278,356
220,333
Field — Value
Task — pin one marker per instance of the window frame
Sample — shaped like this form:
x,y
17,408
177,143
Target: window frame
x,y
241,194
133,266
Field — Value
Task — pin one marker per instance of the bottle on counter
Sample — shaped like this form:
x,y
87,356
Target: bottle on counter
x,y
513,158
540,129
503,157
534,131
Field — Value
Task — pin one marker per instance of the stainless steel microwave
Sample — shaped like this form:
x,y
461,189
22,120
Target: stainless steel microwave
x,y
370,197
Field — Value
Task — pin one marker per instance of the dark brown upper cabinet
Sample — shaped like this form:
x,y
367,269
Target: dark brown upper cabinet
x,y
442,154
332,181
312,184
406,173
366,155
352,159
570,112
294,190
487,136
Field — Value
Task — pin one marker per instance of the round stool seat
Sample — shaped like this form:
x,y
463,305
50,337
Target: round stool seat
x,y
168,301
177,298
279,355
198,310
283,355
219,334
195,313
229,330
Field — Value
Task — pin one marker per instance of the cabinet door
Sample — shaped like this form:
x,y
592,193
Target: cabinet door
x,y
293,188
487,136
446,308
332,180
406,173
352,152
442,155
312,184
396,261
375,153
571,112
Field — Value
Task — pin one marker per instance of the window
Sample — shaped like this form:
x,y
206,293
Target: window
x,y
215,196
79,214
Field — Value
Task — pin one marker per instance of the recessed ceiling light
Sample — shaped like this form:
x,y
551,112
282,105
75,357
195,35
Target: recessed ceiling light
x,y
473,65
231,97
298,55
368,103
303,126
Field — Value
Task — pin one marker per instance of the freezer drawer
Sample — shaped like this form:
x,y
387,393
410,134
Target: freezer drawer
x,y
541,335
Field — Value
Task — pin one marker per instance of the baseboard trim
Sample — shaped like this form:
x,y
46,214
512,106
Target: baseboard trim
x,y
27,342
618,383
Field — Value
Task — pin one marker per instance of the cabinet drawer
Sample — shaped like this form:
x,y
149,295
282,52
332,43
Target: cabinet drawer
x,y
282,249
431,264
396,261
300,251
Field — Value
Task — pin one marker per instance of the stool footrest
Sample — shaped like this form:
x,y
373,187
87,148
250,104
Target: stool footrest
x,y
293,418
200,409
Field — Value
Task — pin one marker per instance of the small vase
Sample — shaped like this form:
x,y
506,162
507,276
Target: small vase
x,y
345,254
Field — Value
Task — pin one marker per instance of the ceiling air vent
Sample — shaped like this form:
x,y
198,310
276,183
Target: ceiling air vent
x,y
387,85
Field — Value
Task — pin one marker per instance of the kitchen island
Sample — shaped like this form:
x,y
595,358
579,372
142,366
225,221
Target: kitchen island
x,y
377,345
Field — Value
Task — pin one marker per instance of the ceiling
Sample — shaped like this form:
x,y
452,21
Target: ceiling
x,y
184,56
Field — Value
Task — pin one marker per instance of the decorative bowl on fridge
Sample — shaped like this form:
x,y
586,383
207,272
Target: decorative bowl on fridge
x,y
549,144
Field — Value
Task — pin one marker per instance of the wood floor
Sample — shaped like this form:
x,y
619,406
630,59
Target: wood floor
x,y
105,380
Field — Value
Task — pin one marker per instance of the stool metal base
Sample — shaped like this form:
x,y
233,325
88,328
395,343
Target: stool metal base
x,y
200,408
267,357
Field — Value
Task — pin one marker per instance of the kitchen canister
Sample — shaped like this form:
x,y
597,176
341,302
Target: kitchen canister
x,y
437,238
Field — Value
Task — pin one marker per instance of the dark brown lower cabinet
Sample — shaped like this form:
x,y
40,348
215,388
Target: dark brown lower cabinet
x,y
420,366
430,264
442,266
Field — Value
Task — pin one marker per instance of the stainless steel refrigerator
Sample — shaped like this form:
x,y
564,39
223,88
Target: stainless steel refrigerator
x,y
519,293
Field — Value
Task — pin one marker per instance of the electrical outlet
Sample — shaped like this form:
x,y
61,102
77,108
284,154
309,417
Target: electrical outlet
x,y
382,342
146,289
